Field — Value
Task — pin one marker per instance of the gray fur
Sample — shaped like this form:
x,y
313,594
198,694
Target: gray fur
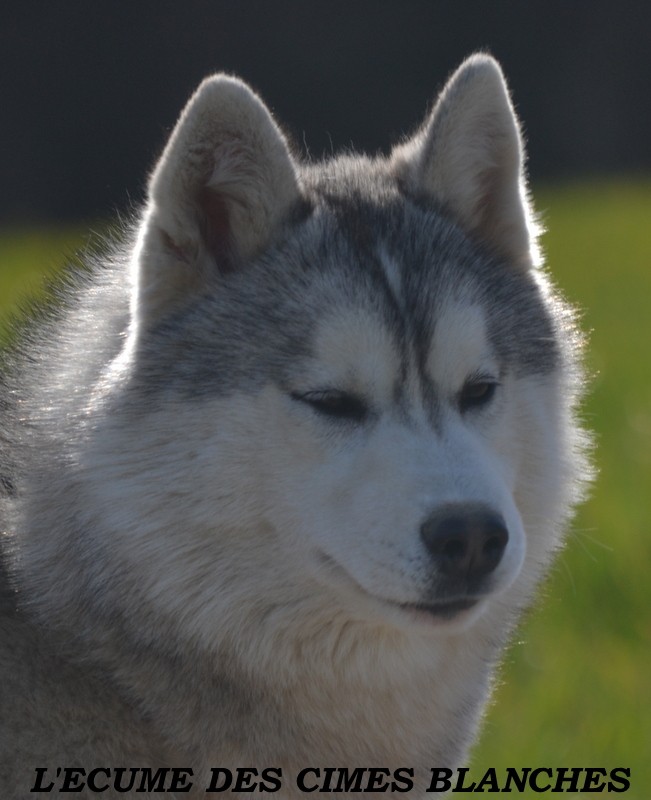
x,y
172,596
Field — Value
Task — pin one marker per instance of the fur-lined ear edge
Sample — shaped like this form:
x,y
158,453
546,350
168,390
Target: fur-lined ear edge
x,y
223,184
469,156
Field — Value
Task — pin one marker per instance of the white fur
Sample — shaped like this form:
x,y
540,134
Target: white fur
x,y
248,576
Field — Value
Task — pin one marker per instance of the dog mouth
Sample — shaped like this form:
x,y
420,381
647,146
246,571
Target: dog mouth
x,y
443,610
436,611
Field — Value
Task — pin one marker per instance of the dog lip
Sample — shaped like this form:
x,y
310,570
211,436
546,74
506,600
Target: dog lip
x,y
445,608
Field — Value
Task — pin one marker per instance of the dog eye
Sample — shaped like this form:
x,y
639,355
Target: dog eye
x,y
335,404
476,394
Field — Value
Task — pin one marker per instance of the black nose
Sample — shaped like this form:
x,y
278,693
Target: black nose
x,y
466,542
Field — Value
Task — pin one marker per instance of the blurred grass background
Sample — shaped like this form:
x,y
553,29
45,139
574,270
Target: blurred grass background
x,y
576,687
575,690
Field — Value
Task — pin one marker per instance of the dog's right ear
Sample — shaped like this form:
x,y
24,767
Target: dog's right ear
x,y
223,184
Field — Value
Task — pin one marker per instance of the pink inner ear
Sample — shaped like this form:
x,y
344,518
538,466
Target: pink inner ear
x,y
216,228
178,251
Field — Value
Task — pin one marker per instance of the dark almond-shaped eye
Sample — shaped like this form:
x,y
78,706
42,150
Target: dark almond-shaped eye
x,y
335,404
477,393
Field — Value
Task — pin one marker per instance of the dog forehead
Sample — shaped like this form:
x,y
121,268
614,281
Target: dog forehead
x,y
459,343
354,344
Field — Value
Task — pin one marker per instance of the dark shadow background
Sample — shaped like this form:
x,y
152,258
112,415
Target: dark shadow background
x,y
89,89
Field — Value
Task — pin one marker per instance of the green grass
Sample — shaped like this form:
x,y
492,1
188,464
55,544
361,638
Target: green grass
x,y
28,257
575,690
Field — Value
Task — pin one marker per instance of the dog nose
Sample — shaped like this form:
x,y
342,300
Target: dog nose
x,y
466,542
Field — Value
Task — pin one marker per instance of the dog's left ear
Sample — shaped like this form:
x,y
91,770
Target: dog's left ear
x,y
469,156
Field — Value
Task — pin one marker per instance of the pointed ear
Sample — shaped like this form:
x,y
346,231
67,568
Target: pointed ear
x,y
223,185
470,157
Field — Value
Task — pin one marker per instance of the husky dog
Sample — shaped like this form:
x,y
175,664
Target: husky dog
x,y
282,472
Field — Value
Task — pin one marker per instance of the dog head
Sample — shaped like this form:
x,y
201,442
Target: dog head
x,y
351,378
